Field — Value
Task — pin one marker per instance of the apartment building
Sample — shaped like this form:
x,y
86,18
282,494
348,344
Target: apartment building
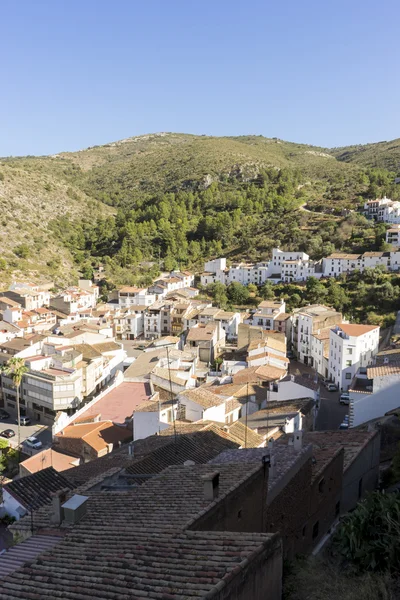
x,y
351,347
265,313
377,209
393,235
306,322
134,296
74,299
129,322
206,340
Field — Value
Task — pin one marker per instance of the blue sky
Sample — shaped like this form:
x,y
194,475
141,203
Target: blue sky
x,y
78,73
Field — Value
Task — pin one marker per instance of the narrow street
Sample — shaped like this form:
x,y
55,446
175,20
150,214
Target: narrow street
x,y
331,413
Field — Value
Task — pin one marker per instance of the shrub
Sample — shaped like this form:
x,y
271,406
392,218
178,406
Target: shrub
x,y
368,538
22,251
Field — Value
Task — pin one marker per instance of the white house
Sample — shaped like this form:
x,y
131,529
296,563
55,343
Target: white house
x,y
200,403
293,387
152,416
307,321
393,235
351,347
374,392
128,296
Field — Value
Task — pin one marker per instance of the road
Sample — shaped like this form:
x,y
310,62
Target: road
x,y
36,429
331,413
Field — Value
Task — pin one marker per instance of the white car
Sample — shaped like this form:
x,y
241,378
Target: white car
x,y
33,442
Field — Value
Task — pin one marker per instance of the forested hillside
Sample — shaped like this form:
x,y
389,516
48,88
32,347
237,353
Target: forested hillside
x,y
175,200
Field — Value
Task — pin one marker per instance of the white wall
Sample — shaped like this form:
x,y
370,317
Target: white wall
x,y
147,423
12,507
290,390
372,406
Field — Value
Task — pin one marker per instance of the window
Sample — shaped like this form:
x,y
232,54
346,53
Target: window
x,y
315,530
304,532
348,363
321,485
337,509
349,350
360,484
348,375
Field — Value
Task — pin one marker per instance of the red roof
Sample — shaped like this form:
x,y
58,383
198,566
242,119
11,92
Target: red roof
x,y
120,402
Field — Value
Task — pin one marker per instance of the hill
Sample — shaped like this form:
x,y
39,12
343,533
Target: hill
x,y
182,198
384,155
30,201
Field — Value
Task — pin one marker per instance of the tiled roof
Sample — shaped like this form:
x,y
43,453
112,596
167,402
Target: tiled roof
x,y
354,330
120,564
304,381
199,447
285,459
263,373
322,334
276,341
352,440
98,434
246,436
232,405
169,374
270,304
382,370
49,458
201,333
34,490
344,256
201,396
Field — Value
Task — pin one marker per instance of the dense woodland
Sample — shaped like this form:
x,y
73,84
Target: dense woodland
x,y
163,201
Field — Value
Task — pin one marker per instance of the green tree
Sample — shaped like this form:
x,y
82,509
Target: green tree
x,y
237,293
267,291
15,369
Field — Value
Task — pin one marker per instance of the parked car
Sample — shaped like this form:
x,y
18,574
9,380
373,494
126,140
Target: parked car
x,y
24,421
290,354
344,398
4,414
346,419
331,387
7,433
33,442
344,425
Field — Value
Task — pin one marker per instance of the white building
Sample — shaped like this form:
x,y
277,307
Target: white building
x,y
133,296
374,391
201,404
351,347
267,311
393,235
375,209
307,321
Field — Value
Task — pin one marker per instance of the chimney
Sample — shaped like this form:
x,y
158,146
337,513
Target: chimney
x,y
271,443
298,440
131,449
57,499
211,486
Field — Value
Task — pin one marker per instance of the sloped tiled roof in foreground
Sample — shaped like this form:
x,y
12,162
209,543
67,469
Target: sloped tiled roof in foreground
x,y
34,490
137,544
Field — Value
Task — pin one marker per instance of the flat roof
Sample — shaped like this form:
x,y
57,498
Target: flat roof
x,y
120,403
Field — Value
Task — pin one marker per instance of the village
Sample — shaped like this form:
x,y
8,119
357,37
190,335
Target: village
x,y
158,380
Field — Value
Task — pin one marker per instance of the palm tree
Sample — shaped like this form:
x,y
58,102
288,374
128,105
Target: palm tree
x,y
15,369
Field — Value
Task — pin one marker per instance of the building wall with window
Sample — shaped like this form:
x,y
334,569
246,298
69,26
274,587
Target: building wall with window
x,y
350,351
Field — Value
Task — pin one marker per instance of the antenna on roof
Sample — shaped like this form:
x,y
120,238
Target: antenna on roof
x,y
247,408
172,395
